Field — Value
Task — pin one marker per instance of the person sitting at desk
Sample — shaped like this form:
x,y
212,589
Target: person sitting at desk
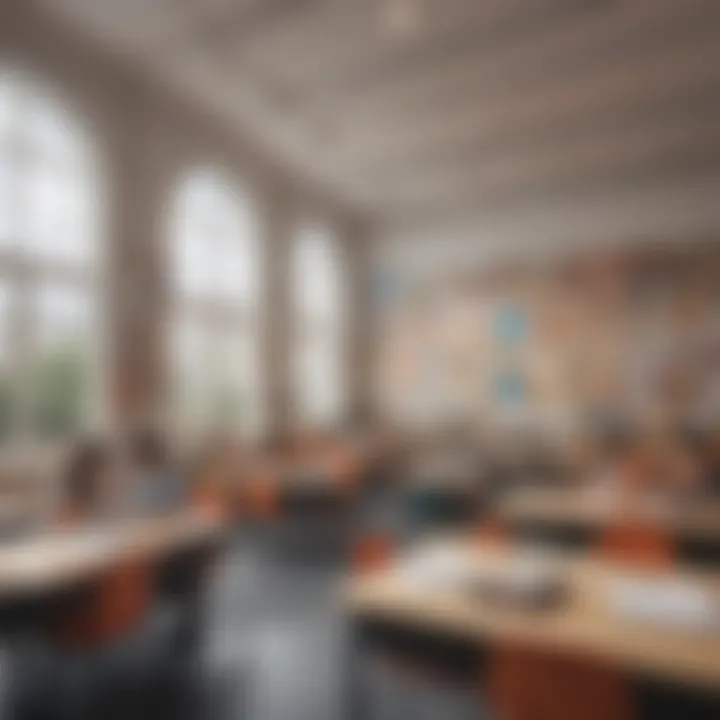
x,y
156,487
216,473
90,483
712,463
622,463
683,469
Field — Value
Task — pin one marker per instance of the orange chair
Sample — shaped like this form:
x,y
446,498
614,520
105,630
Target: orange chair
x,y
344,467
372,553
262,496
492,531
527,684
212,502
117,605
637,543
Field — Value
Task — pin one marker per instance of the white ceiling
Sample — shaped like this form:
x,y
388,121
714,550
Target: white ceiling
x,y
486,103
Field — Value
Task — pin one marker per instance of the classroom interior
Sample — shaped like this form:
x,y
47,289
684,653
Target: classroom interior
x,y
359,360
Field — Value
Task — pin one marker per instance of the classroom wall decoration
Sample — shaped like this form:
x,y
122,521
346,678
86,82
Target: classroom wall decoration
x,y
594,333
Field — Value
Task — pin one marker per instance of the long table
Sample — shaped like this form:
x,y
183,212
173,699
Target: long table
x,y
586,625
311,486
577,515
443,489
45,566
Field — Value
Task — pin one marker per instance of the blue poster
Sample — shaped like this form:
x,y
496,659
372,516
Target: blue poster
x,y
510,325
509,388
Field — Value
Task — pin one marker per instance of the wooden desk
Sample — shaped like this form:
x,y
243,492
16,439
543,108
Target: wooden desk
x,y
579,515
51,562
317,483
442,490
586,626
451,471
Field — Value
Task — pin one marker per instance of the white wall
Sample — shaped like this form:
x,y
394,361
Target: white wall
x,y
669,212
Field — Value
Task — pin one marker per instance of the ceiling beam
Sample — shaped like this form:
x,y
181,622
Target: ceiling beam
x,y
416,58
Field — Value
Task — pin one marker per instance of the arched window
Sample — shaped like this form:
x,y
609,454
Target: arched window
x,y
216,280
319,378
49,252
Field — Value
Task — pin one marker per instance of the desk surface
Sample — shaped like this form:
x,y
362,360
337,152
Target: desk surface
x,y
444,472
54,560
593,508
586,625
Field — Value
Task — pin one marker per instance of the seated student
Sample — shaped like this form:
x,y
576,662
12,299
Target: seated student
x,y
90,483
82,644
618,461
712,462
684,471
216,475
155,487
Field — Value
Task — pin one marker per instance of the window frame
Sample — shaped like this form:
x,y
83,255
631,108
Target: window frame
x,y
318,327
218,315
26,272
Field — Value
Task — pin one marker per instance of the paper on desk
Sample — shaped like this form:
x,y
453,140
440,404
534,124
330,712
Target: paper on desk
x,y
668,602
34,557
437,567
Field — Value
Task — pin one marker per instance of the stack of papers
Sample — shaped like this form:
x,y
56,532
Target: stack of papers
x,y
438,568
669,602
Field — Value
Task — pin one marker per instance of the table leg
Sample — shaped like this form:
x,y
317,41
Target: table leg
x,y
354,691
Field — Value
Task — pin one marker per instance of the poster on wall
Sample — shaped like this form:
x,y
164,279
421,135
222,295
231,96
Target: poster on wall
x,y
389,291
510,388
509,325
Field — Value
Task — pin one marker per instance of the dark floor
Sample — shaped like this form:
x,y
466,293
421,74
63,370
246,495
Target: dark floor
x,y
276,642
275,631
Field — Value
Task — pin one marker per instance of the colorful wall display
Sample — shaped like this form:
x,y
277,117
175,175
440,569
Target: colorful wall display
x,y
638,331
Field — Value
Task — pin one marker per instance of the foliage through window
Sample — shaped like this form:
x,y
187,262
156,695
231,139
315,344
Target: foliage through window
x,y
49,341
318,364
216,276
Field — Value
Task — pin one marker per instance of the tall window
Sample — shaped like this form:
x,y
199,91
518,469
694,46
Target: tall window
x,y
49,343
318,364
216,275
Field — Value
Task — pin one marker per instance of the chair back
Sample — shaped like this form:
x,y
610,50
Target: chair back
x,y
372,552
528,684
114,606
261,495
637,543
492,531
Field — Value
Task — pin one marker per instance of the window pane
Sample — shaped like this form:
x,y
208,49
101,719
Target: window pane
x,y
7,107
214,242
8,394
59,228
215,377
193,276
318,377
238,268
62,367
6,204
190,371
235,403
48,208
7,154
319,381
214,259
317,285
230,269
51,133
65,316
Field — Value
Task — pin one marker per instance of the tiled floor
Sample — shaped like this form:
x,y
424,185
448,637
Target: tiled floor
x,y
275,631
275,636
